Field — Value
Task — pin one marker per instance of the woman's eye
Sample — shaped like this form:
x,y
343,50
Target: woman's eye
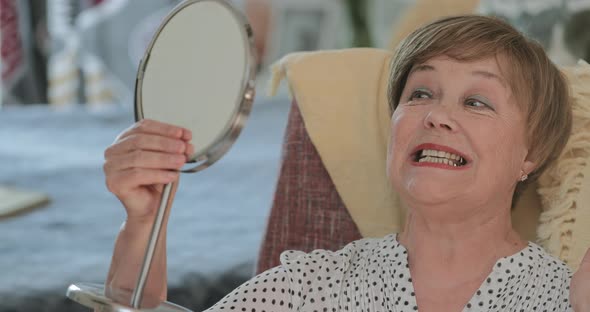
x,y
476,103
420,95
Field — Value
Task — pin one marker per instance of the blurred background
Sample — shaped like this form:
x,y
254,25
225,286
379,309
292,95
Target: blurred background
x,y
66,91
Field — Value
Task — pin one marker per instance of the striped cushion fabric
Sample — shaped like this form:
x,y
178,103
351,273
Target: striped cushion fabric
x,y
307,212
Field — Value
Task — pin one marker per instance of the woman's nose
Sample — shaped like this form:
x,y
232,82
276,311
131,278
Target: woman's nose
x,y
440,117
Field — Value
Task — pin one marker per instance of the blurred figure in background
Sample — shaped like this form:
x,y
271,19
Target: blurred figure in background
x,y
23,58
258,13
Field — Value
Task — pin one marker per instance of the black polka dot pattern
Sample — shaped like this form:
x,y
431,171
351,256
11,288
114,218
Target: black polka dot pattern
x,y
373,275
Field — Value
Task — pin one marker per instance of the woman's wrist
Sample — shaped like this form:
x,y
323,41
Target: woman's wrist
x,y
134,224
137,231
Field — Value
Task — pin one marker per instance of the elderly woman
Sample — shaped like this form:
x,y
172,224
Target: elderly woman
x,y
477,111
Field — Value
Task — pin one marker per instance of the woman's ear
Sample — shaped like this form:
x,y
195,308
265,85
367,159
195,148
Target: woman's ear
x,y
530,163
528,166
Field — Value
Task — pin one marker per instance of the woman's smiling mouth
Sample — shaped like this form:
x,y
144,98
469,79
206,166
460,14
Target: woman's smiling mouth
x,y
438,156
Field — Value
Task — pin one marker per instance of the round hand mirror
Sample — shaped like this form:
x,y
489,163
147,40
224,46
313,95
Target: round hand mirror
x,y
198,73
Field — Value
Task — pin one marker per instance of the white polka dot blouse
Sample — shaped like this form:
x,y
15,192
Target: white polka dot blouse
x,y
373,275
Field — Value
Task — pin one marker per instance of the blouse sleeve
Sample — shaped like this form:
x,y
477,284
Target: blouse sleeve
x,y
302,281
558,288
268,291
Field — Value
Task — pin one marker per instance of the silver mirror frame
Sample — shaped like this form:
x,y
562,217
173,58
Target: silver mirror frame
x,y
222,144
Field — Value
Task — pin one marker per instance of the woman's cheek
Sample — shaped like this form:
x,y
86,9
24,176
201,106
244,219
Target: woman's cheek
x,y
402,130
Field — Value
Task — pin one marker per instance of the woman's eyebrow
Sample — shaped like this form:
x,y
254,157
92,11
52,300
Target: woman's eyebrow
x,y
422,67
489,75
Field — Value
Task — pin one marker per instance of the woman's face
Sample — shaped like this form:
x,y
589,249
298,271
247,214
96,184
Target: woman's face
x,y
457,136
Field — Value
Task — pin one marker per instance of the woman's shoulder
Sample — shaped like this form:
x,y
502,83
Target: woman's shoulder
x,y
546,279
321,274
354,252
548,262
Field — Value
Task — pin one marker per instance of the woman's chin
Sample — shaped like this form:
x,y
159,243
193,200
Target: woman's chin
x,y
431,191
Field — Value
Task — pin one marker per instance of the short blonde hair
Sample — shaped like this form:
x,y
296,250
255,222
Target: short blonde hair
x,y
539,87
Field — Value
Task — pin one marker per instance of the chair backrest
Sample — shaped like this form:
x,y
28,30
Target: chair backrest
x,y
307,212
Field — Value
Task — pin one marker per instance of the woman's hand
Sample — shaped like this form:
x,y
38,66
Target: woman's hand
x,y
141,160
137,165
580,286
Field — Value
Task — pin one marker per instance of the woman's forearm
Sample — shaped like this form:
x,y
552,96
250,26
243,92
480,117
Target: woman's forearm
x,y
128,256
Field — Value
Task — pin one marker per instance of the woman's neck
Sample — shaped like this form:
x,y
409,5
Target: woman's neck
x,y
457,250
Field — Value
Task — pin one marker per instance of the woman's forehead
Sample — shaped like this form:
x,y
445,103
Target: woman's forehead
x,y
492,68
491,65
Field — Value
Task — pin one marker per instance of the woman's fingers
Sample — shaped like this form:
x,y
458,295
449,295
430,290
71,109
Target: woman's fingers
x,y
144,159
149,142
151,135
150,126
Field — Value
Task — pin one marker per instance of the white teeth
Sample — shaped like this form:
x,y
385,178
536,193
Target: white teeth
x,y
441,157
425,159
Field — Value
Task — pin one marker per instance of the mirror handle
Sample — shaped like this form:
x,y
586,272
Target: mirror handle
x,y
165,203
